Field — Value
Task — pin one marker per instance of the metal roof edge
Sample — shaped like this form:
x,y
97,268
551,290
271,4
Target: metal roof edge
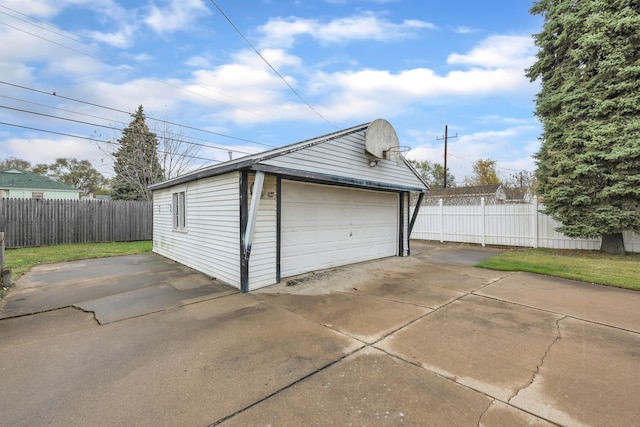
x,y
207,172
321,178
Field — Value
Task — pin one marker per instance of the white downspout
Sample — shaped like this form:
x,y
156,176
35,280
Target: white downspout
x,y
253,212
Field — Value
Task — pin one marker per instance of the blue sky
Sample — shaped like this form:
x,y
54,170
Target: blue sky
x,y
419,64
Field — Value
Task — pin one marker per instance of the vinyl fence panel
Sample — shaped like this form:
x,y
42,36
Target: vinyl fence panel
x,y
522,224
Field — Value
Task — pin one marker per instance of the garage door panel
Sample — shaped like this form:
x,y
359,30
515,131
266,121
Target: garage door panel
x,y
326,226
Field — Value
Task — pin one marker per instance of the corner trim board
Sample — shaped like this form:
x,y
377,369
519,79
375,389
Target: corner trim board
x,y
278,229
244,216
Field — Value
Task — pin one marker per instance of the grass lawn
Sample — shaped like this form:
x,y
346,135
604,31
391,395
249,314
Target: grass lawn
x,y
21,260
587,266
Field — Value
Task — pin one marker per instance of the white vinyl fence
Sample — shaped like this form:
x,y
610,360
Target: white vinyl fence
x,y
523,224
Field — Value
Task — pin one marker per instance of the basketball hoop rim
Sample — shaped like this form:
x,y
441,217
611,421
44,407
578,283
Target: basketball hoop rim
x,y
398,150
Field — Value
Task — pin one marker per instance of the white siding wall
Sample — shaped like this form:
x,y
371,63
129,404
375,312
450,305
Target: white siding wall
x,y
510,225
262,262
345,157
211,242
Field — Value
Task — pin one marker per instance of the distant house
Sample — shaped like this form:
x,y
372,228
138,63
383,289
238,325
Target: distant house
x,y
20,184
492,194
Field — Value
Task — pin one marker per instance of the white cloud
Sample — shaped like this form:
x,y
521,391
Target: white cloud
x,y
465,30
421,82
16,73
36,8
358,94
198,62
77,66
248,86
138,57
122,38
47,150
283,32
154,95
176,15
248,92
511,148
33,48
498,52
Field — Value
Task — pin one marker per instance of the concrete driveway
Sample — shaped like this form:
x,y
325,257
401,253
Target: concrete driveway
x,y
421,340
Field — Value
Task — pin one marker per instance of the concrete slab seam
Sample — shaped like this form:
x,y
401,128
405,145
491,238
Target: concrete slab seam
x,y
438,374
491,282
557,313
367,344
282,389
49,310
134,316
391,300
207,299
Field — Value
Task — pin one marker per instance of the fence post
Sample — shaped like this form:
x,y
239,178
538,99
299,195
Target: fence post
x,y
1,249
534,219
440,203
5,273
483,231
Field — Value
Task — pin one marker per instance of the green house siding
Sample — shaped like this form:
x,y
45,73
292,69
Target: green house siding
x,y
17,183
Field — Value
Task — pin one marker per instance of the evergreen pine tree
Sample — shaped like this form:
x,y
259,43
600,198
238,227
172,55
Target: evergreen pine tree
x,y
589,105
136,163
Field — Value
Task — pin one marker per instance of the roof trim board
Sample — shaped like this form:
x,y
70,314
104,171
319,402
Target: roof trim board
x,y
319,178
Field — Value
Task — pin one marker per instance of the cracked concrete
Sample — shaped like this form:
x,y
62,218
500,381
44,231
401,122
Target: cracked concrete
x,y
426,339
544,356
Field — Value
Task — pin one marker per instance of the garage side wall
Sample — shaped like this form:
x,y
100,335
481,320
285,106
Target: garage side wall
x,y
209,242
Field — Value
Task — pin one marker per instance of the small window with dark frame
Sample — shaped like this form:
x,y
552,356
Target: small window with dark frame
x,y
37,194
179,210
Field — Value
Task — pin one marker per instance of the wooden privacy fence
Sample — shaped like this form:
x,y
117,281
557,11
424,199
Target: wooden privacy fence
x,y
523,224
43,222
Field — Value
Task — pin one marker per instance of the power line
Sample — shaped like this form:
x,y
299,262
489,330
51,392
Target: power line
x,y
59,108
76,38
162,81
96,140
185,141
129,113
118,129
50,41
139,73
269,64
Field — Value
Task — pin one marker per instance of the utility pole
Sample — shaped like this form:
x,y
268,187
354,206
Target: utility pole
x,y
446,139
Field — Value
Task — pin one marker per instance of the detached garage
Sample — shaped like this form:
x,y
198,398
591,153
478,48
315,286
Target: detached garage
x,y
334,200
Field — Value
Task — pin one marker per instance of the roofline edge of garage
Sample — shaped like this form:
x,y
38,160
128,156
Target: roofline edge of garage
x,y
320,178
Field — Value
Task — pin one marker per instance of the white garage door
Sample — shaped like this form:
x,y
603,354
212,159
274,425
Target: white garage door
x,y
325,226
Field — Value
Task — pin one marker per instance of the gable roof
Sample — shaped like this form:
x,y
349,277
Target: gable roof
x,y
297,161
15,178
